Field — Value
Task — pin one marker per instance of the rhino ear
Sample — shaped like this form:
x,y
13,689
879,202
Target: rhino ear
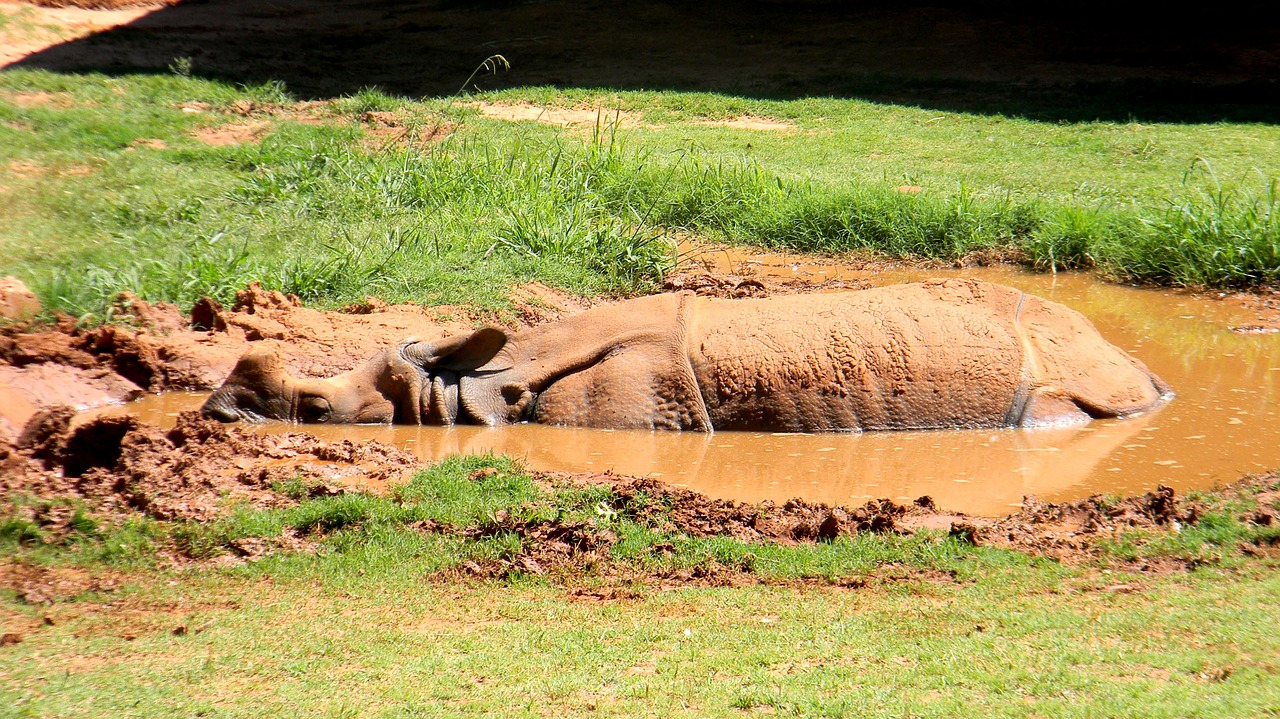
x,y
459,354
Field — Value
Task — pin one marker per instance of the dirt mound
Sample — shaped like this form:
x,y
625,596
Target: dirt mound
x,y
582,117
545,547
154,347
191,472
16,301
668,508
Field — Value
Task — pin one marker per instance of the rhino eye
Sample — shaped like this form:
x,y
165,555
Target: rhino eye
x,y
314,410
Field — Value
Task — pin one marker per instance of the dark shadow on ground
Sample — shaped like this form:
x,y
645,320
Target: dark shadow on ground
x,y
1057,61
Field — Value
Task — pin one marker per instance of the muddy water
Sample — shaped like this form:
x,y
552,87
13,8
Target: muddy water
x,y
1223,423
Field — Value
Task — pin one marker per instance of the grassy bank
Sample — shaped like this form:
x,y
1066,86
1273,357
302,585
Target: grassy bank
x,y
378,613
175,187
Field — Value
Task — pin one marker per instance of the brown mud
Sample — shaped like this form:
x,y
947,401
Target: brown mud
x,y
1218,429
1214,348
193,471
118,468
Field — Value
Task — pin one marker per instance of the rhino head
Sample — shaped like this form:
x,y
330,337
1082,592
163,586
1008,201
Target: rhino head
x,y
416,382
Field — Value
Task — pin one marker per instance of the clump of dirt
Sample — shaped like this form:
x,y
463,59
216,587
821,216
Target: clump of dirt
x,y
194,471
389,128
1074,532
668,508
232,133
546,547
715,285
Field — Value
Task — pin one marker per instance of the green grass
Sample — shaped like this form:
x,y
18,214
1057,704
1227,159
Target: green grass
x,y
377,618
374,646
363,625
315,204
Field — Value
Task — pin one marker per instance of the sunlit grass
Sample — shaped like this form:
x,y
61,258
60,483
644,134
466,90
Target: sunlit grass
x,y
363,623
109,189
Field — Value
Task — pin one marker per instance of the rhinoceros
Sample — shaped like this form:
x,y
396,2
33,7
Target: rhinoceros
x,y
939,354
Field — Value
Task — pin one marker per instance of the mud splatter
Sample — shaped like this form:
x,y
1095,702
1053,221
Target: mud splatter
x,y
1076,532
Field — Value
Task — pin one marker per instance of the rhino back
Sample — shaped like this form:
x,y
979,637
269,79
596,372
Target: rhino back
x,y
921,356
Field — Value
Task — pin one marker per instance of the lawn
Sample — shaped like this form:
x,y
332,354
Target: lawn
x,y
378,615
175,187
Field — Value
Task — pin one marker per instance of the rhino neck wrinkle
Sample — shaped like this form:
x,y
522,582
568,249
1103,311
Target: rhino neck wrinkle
x,y
441,405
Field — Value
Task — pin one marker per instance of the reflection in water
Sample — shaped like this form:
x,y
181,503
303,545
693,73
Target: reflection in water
x,y
1222,424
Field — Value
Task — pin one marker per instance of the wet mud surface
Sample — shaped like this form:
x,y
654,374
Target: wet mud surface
x,y
1223,424
1217,350
117,468
177,467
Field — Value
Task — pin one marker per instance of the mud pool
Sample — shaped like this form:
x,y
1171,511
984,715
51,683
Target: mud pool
x,y
1223,423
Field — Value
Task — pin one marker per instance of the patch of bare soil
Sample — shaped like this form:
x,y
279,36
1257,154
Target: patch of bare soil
x,y
561,117
751,122
232,133
42,585
388,128
58,100
38,25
